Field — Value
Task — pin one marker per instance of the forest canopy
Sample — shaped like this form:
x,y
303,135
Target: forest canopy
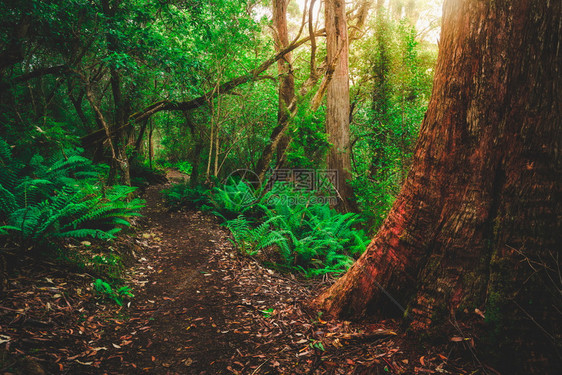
x,y
196,84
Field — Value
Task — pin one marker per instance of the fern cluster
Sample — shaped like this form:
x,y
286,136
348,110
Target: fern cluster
x,y
181,195
41,201
251,238
309,236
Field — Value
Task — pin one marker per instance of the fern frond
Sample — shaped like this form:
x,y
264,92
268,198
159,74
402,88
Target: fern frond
x,y
82,233
8,202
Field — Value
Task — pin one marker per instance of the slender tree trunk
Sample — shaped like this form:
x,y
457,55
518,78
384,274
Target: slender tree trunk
x,y
150,144
279,140
338,103
286,77
120,162
483,199
140,137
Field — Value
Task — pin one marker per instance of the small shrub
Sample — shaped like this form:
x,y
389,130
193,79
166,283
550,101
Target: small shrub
x,y
109,292
182,196
184,167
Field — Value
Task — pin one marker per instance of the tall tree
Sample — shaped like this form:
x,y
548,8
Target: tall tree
x,y
477,224
285,68
337,100
279,140
119,160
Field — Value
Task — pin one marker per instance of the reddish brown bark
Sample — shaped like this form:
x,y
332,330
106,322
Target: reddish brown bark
x,y
337,101
484,191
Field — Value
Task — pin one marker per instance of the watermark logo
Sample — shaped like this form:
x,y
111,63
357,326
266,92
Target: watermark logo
x,y
243,192
245,175
322,181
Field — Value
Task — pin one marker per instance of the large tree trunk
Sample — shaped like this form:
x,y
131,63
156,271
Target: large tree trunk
x,y
483,196
338,104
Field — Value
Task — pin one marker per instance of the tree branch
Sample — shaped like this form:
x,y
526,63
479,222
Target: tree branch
x,y
167,105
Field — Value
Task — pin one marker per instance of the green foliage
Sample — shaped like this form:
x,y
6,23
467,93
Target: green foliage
x,y
233,198
180,196
108,291
41,202
108,264
250,239
308,236
267,313
309,141
392,97
184,167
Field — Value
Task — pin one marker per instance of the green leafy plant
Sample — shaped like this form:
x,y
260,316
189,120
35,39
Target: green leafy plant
x,y
182,195
233,198
308,236
117,295
315,344
249,239
267,313
41,202
184,167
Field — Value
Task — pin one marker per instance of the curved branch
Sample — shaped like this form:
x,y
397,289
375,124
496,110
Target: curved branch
x,y
167,105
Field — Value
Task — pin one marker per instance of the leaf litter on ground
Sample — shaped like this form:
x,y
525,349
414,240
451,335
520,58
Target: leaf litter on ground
x,y
200,308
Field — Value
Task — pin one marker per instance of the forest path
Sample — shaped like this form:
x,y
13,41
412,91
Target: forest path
x,y
201,308
185,299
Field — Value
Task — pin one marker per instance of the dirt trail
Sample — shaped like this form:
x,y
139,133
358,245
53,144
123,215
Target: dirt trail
x,y
203,309
184,288
178,318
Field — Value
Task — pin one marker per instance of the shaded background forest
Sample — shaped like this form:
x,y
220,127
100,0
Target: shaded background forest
x,y
79,75
99,96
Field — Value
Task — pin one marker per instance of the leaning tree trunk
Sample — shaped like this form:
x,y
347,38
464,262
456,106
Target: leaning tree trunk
x,y
337,102
477,224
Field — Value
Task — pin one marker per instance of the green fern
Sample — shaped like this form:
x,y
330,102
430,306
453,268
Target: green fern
x,y
250,240
310,237
45,201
